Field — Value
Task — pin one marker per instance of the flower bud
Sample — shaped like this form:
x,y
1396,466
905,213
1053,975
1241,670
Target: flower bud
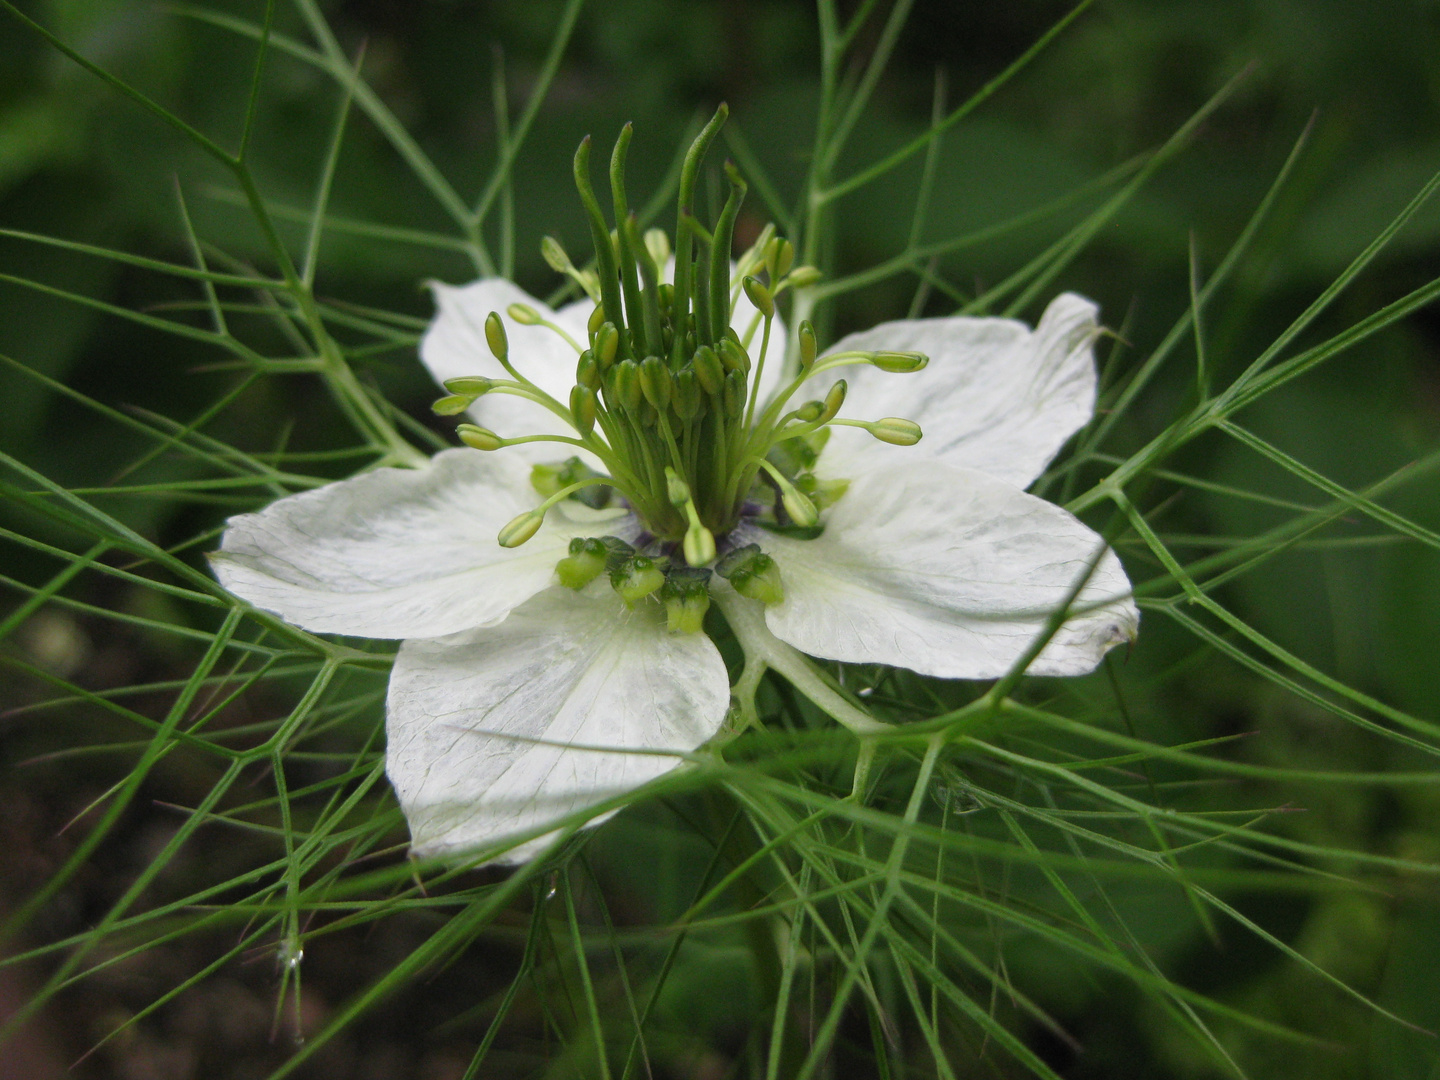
x,y
584,564
495,336
655,382
478,437
451,405
899,362
896,431
583,408
524,314
709,370
520,528
808,346
471,386
833,400
597,319
759,296
752,573
810,412
636,578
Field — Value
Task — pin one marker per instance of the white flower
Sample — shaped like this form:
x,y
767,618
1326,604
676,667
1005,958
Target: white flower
x,y
550,615
515,701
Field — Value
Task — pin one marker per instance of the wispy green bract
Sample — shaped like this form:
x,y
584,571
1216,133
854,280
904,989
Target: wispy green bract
x,y
897,925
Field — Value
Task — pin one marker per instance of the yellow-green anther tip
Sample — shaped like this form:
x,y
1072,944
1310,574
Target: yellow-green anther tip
x,y
900,362
676,488
801,510
523,314
520,528
495,336
698,545
808,346
802,276
896,431
479,438
470,385
554,255
451,405
597,319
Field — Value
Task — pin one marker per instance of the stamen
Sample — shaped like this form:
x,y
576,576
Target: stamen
x,y
523,526
801,510
525,315
891,429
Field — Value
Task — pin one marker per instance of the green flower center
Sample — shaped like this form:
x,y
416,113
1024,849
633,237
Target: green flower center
x,y
666,391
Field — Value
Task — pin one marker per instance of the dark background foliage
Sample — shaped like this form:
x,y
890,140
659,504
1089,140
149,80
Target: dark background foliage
x,y
78,162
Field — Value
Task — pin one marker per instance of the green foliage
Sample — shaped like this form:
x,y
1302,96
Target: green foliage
x,y
1215,857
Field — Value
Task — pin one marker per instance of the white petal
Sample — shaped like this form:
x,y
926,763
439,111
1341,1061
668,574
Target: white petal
x,y
996,395
397,553
454,345
570,701
949,572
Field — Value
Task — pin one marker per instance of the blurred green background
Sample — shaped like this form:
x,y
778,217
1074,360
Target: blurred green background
x,y
78,162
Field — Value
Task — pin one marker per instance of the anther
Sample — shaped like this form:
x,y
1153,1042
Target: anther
x,y
520,528
894,430
655,382
808,346
597,319
524,314
802,276
607,341
625,378
733,355
495,337
587,370
779,257
833,400
709,370
470,385
479,438
452,404
583,408
900,362
688,395
759,296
